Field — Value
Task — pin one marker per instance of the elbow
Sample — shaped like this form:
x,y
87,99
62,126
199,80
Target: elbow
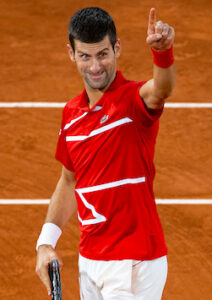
x,y
158,101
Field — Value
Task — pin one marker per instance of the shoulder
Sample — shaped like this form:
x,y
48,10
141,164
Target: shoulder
x,y
124,83
131,85
130,89
73,103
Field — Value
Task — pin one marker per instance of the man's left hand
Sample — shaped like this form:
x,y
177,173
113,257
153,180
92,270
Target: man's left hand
x,y
160,36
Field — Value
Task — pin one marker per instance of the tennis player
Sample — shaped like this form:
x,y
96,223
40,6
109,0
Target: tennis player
x,y
106,145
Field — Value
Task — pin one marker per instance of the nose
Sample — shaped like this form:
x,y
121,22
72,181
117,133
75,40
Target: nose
x,y
95,66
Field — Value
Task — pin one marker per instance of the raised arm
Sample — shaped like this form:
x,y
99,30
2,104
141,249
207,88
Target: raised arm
x,y
61,208
160,38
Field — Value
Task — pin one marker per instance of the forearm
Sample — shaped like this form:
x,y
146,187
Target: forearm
x,y
156,90
62,206
163,82
63,202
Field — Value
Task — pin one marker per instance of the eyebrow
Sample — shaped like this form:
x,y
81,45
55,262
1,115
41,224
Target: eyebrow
x,y
81,52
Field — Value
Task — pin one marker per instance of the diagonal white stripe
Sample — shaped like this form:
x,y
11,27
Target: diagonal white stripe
x,y
74,120
76,138
98,218
111,185
99,130
109,126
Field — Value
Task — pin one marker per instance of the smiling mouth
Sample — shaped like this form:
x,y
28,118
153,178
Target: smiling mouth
x,y
97,75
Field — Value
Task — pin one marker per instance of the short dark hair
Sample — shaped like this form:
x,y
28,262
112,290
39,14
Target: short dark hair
x,y
91,25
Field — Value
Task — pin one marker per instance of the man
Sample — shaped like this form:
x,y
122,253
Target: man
x,y
106,146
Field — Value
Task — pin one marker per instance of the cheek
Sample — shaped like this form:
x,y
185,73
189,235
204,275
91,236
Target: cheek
x,y
81,66
109,63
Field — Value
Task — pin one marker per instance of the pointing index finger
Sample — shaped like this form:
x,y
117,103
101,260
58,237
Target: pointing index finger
x,y
152,21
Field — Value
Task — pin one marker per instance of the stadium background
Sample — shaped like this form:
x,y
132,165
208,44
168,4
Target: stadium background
x,y
35,67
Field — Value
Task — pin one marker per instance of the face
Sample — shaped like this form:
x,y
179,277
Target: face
x,y
96,62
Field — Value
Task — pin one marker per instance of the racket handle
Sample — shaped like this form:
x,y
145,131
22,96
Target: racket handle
x,y
54,276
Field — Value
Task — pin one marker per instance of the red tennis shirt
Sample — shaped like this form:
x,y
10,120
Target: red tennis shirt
x,y
110,147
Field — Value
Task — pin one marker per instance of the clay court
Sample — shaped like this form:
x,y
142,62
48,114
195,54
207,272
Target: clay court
x,y
35,67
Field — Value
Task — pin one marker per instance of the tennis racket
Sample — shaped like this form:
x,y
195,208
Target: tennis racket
x,y
54,275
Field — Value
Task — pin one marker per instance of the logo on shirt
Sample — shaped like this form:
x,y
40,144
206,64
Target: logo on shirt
x,y
104,118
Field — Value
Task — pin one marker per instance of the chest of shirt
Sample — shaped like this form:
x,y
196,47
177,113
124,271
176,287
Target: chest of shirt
x,y
107,135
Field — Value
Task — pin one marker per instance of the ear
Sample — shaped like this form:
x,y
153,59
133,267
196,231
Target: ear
x,y
71,52
117,48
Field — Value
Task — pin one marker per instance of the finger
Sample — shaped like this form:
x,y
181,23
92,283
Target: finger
x,y
171,34
170,38
152,21
44,277
153,38
165,30
159,27
164,44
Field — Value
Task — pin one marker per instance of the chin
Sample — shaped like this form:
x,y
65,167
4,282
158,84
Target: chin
x,y
96,85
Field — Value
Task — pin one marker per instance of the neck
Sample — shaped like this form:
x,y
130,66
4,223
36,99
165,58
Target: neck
x,y
95,94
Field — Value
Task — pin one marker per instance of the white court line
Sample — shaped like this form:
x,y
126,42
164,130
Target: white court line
x,y
158,201
62,104
32,104
23,201
187,105
184,201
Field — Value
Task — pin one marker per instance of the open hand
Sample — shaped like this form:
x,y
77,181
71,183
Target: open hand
x,y
160,36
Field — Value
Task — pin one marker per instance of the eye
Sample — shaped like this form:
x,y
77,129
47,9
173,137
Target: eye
x,y
84,56
103,54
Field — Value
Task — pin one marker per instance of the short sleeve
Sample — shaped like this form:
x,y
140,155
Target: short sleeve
x,y
140,110
62,153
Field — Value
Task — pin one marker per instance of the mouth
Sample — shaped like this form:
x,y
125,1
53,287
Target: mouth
x,y
96,76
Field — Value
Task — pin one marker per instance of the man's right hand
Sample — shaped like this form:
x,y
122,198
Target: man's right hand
x,y
46,254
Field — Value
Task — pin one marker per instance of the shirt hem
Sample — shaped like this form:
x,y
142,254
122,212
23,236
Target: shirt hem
x,y
123,257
